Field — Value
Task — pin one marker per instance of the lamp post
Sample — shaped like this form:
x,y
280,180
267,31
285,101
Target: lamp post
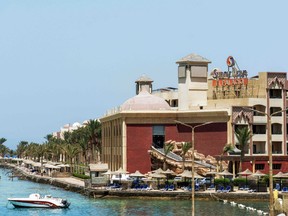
x,y
269,126
192,161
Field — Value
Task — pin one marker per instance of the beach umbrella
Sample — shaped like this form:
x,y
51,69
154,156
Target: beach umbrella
x,y
120,171
212,173
137,174
280,175
108,173
258,174
246,173
225,173
168,172
186,174
158,171
158,176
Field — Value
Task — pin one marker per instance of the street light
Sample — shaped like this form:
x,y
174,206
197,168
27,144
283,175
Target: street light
x,y
271,198
192,160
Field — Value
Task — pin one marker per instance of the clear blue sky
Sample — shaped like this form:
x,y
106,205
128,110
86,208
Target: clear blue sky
x,y
65,61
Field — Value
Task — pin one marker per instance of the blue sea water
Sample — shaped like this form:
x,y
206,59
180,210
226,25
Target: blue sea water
x,y
81,205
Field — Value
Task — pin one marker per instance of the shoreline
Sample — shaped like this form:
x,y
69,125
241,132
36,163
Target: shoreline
x,y
77,185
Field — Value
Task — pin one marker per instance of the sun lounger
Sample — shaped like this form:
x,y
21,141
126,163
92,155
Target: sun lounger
x,y
228,189
220,190
285,189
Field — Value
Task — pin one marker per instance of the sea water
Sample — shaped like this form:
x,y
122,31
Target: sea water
x,y
82,205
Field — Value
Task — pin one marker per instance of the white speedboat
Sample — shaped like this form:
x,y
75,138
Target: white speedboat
x,y
36,201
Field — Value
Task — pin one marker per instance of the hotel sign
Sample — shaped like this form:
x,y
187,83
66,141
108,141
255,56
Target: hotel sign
x,y
230,82
232,77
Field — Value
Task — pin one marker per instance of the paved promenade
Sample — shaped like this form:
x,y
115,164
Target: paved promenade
x,y
78,185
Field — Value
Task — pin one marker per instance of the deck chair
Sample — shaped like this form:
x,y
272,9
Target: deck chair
x,y
228,189
220,190
277,187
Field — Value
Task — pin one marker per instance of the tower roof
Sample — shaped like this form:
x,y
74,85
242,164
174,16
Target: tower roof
x,y
193,58
144,78
145,101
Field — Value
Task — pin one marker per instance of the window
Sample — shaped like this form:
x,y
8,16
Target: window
x,y
158,136
182,71
277,166
276,128
259,129
274,110
277,147
275,93
259,166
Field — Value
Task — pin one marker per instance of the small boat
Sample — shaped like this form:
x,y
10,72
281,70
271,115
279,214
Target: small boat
x,y
36,201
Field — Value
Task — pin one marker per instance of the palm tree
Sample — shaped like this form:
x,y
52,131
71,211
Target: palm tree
x,y
168,146
243,136
2,140
226,149
3,149
185,148
71,152
94,139
21,148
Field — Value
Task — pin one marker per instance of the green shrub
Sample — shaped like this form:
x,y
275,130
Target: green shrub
x,y
238,181
81,176
222,181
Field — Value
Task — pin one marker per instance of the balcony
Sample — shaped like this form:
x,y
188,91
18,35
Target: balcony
x,y
260,119
259,137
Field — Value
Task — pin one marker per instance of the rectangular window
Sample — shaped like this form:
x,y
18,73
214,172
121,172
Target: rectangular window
x,y
199,71
158,136
259,129
181,71
259,166
275,93
277,166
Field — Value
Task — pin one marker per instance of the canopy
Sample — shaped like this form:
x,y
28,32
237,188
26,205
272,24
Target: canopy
x,y
168,171
280,175
246,172
158,171
120,171
157,175
137,174
108,172
258,173
212,173
225,173
186,173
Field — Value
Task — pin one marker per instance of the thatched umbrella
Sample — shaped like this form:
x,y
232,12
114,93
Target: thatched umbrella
x,y
158,176
258,174
280,175
159,170
120,171
212,173
246,173
186,174
225,173
137,174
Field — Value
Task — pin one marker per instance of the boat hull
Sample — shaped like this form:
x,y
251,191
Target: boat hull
x,y
37,204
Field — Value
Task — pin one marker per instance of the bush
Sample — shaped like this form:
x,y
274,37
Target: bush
x,y
239,181
222,181
81,176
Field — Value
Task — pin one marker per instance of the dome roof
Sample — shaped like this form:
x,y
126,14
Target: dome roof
x,y
145,101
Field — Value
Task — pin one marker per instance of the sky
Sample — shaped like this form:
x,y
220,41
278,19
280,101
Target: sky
x,y
66,61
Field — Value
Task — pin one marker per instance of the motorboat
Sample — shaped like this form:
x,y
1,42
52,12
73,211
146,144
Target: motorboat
x,y
36,201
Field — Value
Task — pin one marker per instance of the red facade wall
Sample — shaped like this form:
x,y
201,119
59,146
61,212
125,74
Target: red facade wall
x,y
139,140
209,139
284,166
